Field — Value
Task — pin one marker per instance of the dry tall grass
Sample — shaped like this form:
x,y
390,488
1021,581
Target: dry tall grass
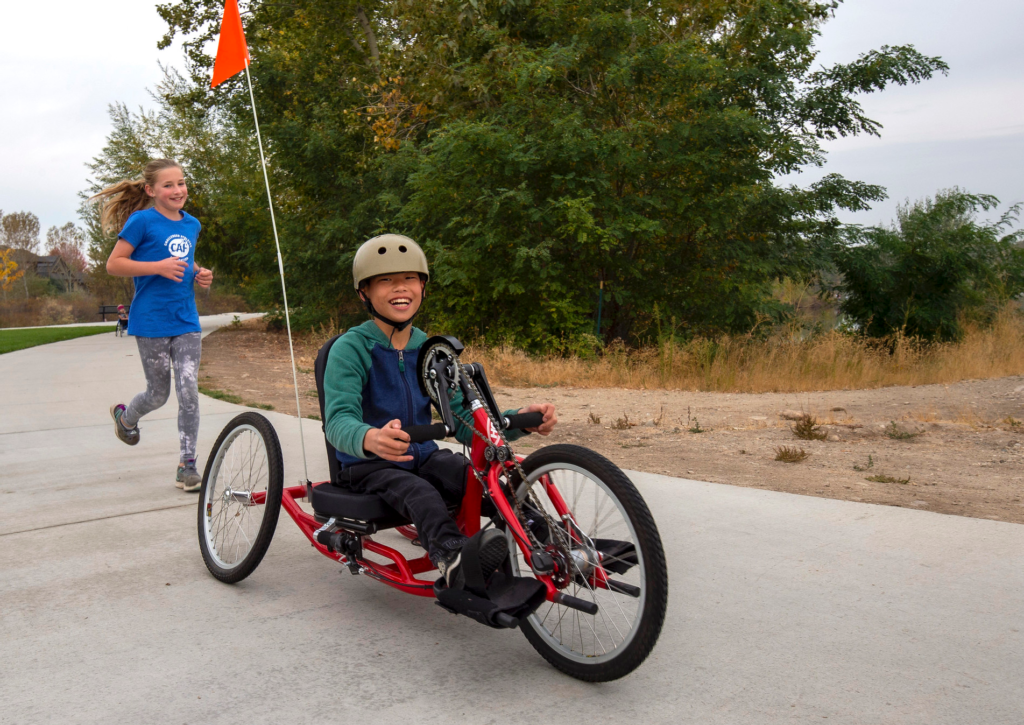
x,y
831,361
48,310
83,306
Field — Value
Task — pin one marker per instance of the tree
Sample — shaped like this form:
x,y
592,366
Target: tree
x,y
9,270
933,269
130,145
67,243
21,230
540,149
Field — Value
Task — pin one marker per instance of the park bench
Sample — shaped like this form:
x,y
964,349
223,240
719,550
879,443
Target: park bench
x,y
111,310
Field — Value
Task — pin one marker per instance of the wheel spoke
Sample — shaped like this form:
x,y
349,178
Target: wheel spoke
x,y
241,531
597,525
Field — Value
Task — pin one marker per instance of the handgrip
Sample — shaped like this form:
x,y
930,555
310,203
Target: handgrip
x,y
520,421
420,433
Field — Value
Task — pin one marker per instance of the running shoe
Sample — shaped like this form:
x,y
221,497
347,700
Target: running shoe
x,y
126,434
188,478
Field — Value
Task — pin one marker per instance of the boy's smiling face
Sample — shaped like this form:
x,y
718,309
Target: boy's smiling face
x,y
396,296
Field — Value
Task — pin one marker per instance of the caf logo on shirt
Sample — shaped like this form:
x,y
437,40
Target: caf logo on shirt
x,y
178,245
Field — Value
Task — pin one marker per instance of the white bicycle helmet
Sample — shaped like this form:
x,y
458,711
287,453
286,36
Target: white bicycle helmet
x,y
388,254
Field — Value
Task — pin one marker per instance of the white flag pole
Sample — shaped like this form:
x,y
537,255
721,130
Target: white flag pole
x,y
280,267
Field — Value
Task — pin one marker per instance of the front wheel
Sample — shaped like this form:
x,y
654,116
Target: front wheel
x,y
609,554
240,500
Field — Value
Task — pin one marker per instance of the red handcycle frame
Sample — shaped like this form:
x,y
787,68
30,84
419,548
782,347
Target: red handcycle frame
x,y
401,573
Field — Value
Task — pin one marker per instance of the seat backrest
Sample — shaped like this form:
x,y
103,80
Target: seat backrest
x,y
318,373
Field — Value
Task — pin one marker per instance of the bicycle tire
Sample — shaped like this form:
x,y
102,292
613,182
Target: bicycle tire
x,y
651,571
221,500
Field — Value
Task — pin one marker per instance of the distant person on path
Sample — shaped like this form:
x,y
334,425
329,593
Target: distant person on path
x,y
156,246
122,318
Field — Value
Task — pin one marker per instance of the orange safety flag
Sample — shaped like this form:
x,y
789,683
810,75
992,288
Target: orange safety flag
x,y
232,52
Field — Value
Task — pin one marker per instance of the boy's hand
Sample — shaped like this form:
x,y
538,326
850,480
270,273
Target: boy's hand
x,y
389,442
204,277
172,268
550,419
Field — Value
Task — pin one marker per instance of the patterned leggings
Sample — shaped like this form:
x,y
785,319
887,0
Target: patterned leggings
x,y
158,354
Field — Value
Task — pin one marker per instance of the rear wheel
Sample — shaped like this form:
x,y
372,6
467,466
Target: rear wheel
x,y
613,526
240,500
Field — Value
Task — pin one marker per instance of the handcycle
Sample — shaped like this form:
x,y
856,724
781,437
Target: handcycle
x,y
585,578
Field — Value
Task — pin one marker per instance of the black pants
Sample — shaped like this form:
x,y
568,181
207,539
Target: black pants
x,y
422,495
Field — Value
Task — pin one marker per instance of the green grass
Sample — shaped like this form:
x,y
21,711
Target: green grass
x,y
236,399
221,395
11,340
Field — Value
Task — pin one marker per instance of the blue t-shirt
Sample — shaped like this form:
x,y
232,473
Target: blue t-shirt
x,y
162,307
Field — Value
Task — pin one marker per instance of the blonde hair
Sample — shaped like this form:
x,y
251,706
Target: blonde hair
x,y
119,201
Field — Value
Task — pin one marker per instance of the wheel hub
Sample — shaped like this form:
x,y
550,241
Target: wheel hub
x,y
586,560
242,497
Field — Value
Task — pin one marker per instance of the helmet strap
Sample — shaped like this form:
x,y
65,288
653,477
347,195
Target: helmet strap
x,y
398,326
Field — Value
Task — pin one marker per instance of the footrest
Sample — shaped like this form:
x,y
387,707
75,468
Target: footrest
x,y
509,599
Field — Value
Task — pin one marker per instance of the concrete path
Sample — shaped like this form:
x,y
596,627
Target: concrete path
x,y
783,609
211,322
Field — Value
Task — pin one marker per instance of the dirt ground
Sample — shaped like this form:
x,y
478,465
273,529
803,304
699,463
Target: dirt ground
x,y
955,449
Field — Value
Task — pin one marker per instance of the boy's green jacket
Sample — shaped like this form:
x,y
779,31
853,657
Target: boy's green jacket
x,y
368,383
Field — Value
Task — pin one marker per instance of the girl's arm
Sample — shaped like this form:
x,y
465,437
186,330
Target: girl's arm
x,y
204,277
120,264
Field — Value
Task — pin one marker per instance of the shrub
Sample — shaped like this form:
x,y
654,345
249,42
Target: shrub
x,y
786,454
898,434
934,269
807,429
623,423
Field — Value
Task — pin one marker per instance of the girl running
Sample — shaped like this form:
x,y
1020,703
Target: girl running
x,y
156,245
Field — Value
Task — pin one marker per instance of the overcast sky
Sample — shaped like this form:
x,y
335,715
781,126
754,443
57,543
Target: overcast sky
x,y
62,63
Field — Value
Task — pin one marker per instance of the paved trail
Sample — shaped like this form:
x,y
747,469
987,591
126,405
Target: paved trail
x,y
783,609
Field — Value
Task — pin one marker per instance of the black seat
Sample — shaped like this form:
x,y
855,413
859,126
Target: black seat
x,y
332,500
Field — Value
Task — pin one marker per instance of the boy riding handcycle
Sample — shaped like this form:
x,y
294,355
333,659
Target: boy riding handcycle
x,y
568,551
